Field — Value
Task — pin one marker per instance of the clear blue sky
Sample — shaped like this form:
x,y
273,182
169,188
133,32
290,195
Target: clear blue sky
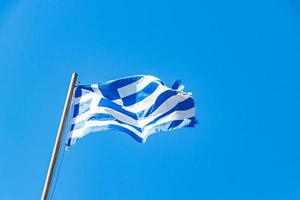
x,y
241,60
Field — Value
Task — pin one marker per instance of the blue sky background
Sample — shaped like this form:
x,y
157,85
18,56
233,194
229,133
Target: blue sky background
x,y
239,58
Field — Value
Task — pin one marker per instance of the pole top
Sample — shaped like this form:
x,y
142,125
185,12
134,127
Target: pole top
x,y
74,74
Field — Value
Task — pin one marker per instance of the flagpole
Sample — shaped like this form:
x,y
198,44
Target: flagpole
x,y
59,137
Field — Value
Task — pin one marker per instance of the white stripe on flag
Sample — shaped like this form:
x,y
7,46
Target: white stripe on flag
x,y
81,132
136,86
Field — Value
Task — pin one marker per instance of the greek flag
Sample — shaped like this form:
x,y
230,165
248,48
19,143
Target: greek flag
x,y
137,105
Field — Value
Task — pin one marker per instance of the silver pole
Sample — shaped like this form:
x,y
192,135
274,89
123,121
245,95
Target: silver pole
x,y
59,137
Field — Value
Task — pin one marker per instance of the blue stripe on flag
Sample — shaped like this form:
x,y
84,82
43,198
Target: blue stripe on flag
x,y
109,92
185,105
160,100
107,117
108,104
140,95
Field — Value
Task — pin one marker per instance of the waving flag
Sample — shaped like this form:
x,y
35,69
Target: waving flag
x,y
138,105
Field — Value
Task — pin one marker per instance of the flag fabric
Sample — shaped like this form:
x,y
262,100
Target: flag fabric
x,y
138,105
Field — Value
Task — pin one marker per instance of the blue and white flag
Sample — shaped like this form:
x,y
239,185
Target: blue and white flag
x,y
138,105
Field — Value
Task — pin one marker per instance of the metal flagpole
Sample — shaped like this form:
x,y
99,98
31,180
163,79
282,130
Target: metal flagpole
x,y
59,137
